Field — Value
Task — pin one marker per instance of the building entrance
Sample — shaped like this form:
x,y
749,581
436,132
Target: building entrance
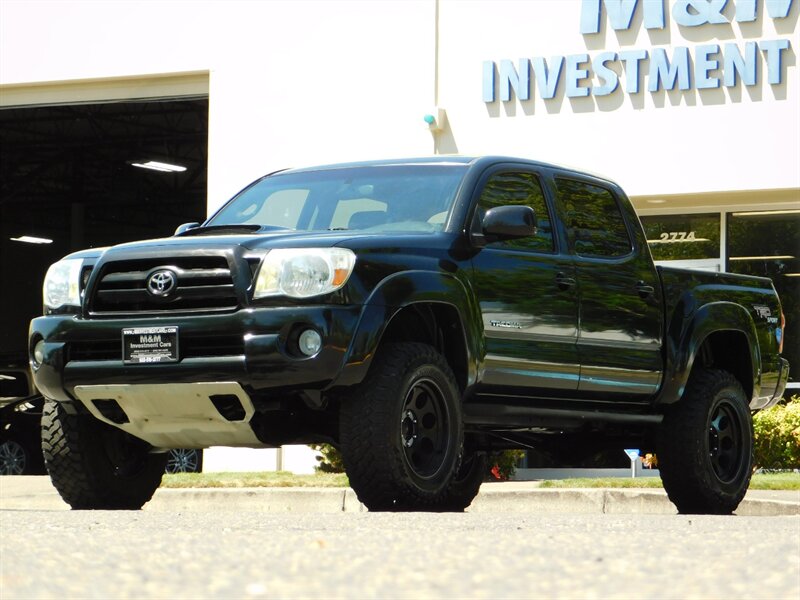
x,y
89,175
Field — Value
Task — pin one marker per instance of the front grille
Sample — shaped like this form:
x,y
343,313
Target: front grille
x,y
201,284
189,346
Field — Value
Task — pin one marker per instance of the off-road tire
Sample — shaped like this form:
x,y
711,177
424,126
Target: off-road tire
x,y
96,466
705,445
401,431
466,483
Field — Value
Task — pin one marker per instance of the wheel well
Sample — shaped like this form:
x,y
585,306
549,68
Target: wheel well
x,y
730,351
438,325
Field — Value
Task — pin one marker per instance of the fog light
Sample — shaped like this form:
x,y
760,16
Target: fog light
x,y
38,353
309,342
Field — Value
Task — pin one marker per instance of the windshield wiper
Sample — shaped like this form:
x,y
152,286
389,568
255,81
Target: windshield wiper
x,y
223,229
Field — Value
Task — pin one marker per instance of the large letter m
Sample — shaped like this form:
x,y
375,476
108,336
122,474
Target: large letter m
x,y
620,14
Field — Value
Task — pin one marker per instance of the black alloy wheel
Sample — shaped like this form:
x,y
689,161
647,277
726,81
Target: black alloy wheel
x,y
424,429
725,442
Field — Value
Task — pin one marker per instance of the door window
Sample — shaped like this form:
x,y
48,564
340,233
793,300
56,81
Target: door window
x,y
518,188
594,221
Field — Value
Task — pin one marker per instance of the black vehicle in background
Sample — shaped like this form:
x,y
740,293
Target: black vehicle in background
x,y
416,313
20,418
20,437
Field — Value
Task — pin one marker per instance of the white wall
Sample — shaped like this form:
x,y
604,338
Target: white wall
x,y
296,459
291,83
297,83
651,143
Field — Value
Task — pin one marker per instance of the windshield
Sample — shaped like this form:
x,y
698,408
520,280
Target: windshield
x,y
412,198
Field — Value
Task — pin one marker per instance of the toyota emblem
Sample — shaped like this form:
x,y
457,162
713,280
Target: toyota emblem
x,y
161,282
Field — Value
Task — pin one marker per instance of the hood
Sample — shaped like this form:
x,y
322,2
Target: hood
x,y
356,240
249,241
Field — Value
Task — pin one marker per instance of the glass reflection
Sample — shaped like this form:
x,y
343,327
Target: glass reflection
x,y
767,244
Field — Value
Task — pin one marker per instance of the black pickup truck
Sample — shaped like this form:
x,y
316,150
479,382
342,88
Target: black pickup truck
x,y
417,314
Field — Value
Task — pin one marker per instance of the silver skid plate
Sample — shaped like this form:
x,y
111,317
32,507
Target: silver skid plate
x,y
175,415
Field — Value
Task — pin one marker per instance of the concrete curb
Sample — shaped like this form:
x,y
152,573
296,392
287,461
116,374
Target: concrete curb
x,y
268,500
609,501
36,493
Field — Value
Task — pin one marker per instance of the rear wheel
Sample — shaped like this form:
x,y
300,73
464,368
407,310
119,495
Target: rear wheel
x,y
96,466
401,432
705,449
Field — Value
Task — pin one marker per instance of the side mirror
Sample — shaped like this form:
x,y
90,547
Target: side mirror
x,y
509,222
186,227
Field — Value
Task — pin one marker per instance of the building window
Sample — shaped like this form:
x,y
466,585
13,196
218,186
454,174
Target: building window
x,y
683,237
767,244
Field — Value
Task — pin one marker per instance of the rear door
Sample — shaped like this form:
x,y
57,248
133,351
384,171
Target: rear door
x,y
527,294
620,315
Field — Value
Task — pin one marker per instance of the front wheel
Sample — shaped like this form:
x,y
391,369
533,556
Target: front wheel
x,y
466,483
401,432
97,466
705,447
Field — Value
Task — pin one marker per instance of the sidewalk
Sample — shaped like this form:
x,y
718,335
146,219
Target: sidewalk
x,y
37,493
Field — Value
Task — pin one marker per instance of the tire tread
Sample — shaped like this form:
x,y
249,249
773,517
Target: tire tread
x,y
70,447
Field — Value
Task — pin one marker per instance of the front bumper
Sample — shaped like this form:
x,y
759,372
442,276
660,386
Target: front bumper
x,y
252,347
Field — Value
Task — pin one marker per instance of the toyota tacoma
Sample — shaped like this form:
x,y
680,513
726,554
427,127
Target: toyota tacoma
x,y
417,314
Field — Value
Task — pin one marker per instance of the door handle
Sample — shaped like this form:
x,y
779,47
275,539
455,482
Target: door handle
x,y
563,282
644,290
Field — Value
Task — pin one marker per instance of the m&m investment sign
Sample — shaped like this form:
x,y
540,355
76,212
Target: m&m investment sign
x,y
700,67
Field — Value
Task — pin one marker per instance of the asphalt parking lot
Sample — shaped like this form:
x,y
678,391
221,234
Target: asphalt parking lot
x,y
506,547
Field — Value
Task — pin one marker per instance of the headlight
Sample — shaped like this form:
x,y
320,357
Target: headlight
x,y
303,272
62,284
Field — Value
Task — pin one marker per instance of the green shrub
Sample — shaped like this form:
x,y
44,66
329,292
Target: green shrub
x,y
330,460
777,436
503,464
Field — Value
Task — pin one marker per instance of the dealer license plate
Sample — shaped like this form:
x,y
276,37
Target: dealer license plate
x,y
142,345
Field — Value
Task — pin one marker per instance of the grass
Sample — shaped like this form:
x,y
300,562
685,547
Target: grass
x,y
604,482
761,481
775,481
